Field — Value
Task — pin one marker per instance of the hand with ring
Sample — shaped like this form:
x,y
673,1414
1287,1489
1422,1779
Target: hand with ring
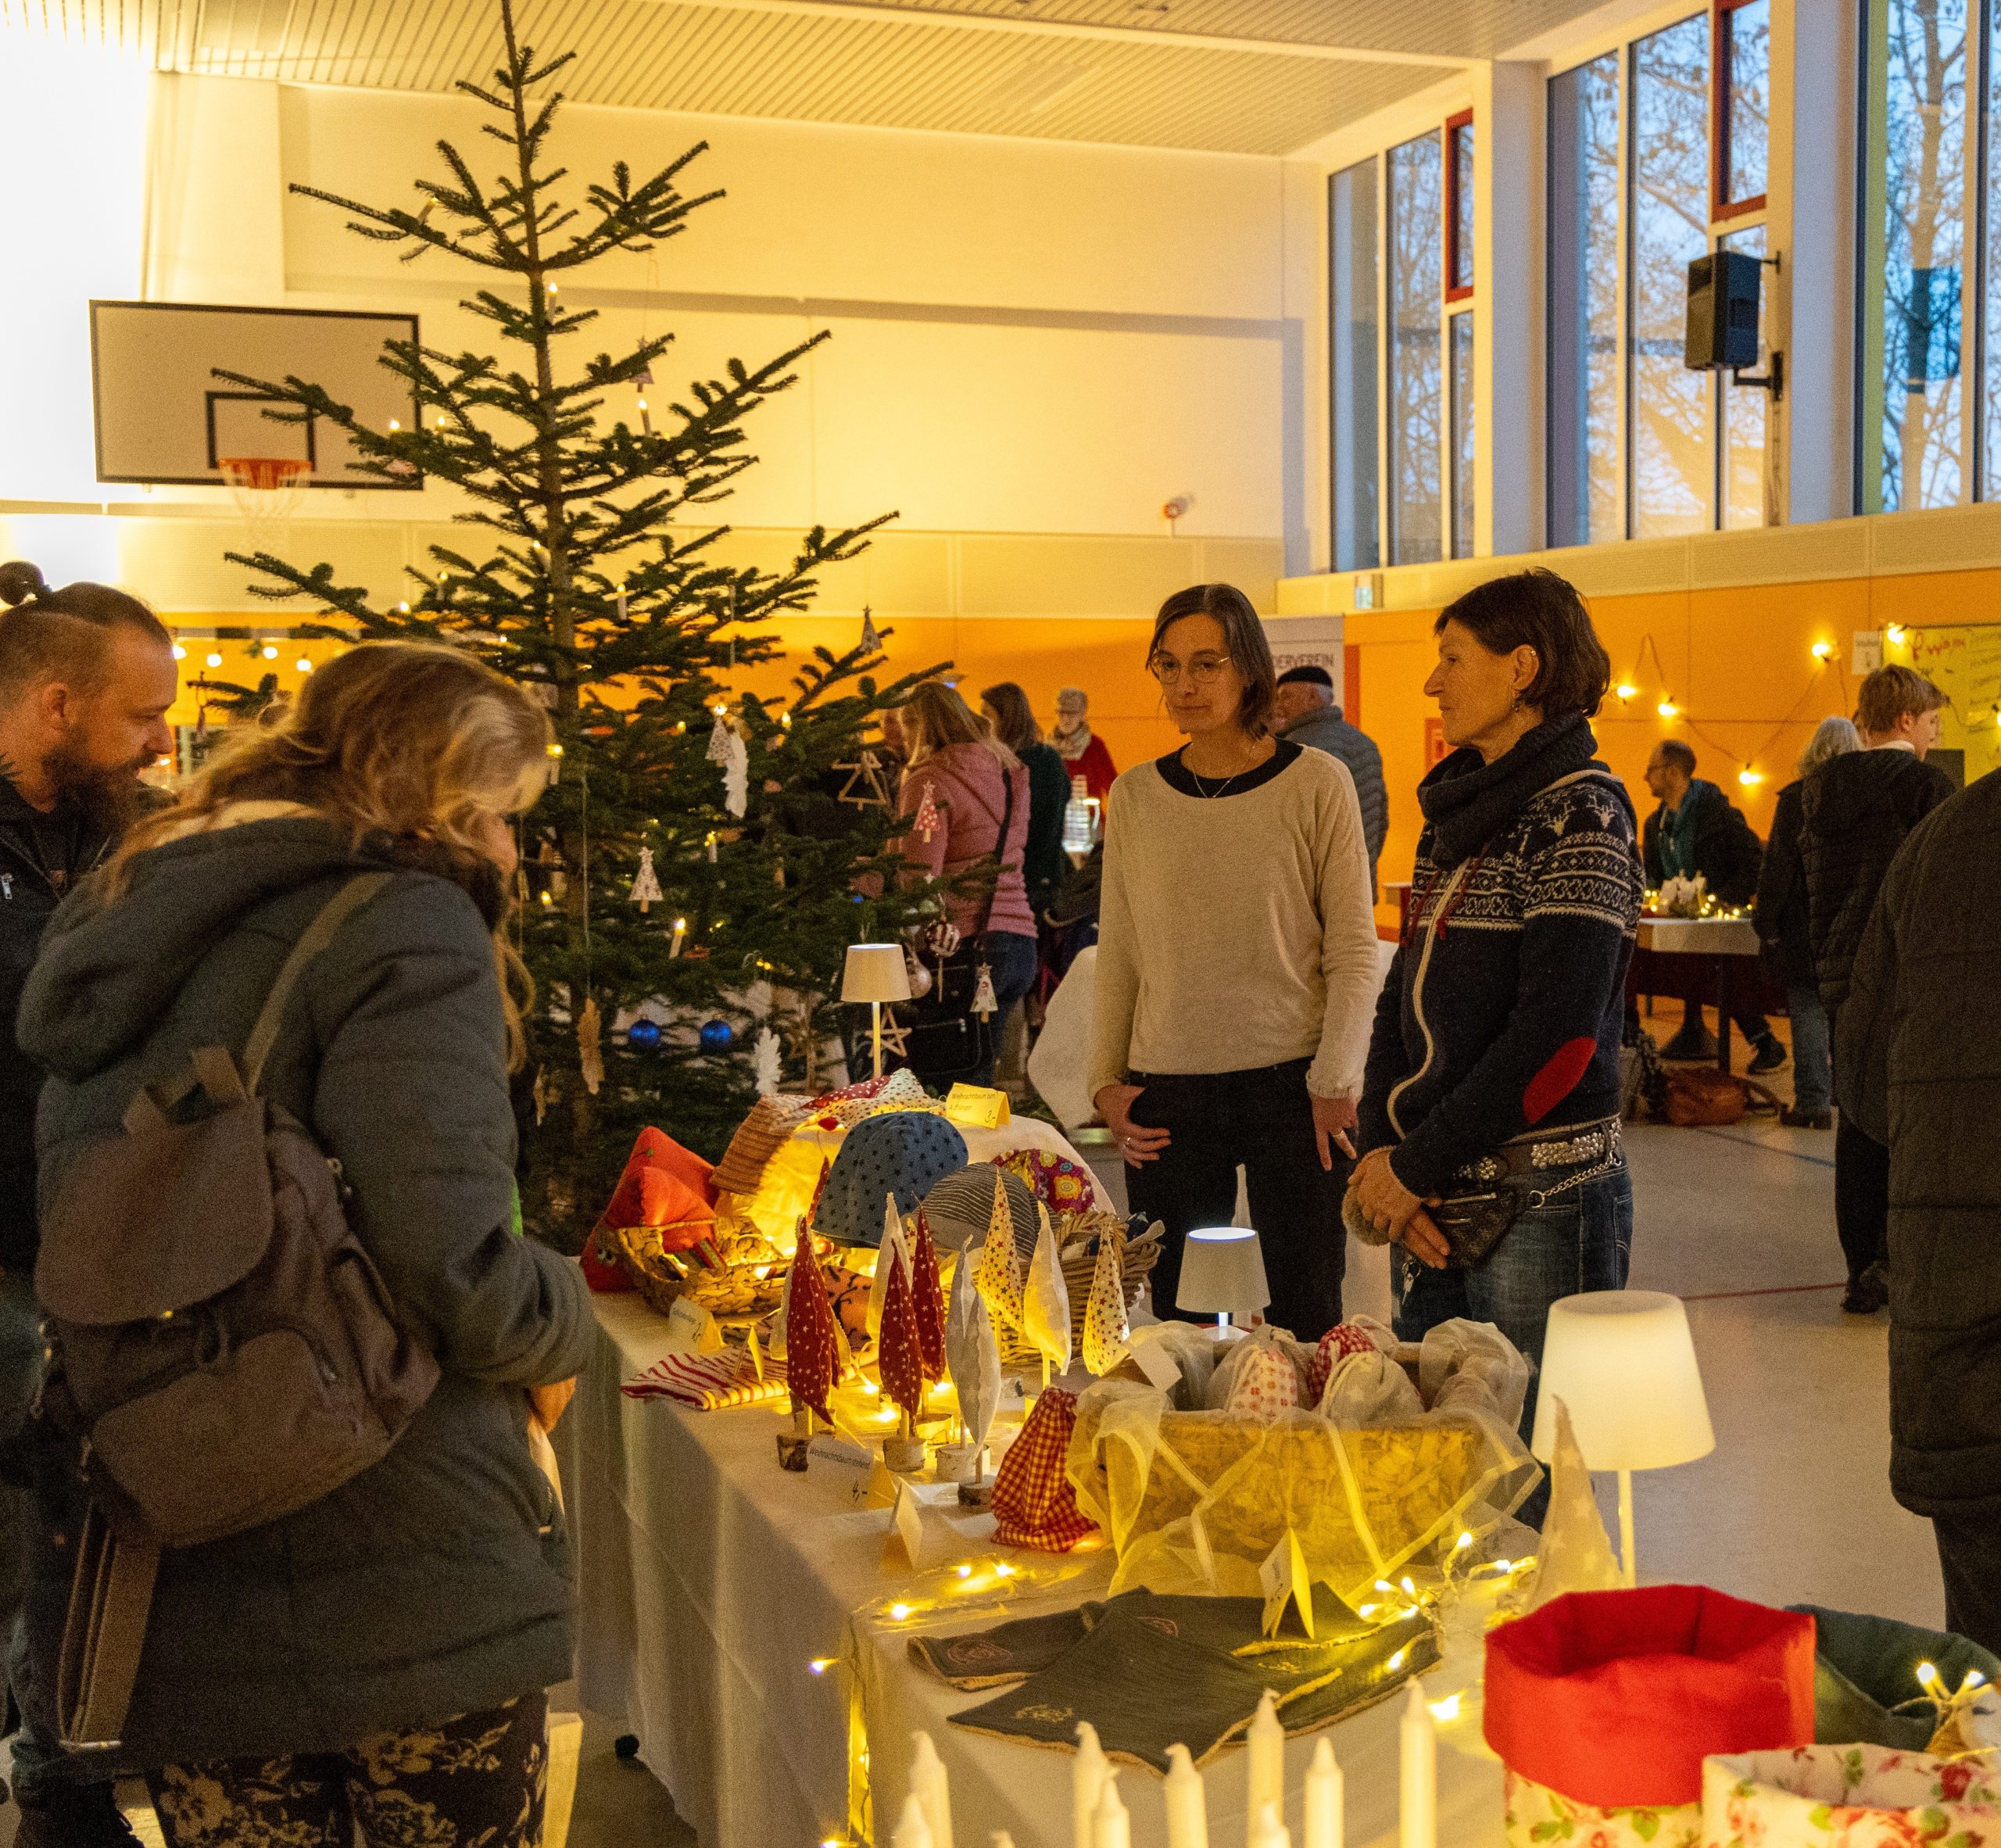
x,y
1393,1208
1136,1143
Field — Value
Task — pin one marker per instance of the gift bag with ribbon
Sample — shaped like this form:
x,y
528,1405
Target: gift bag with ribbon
x,y
1849,1796
1603,1705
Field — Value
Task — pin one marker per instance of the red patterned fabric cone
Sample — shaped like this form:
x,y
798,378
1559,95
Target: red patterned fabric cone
x,y
1336,1346
1034,1504
927,1296
812,1348
900,1350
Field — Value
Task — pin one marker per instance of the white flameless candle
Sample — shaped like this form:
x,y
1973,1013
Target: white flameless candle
x,y
1325,1799
913,1831
1111,1827
1187,1810
927,1785
680,937
1265,1783
1087,1778
1418,1739
1269,1830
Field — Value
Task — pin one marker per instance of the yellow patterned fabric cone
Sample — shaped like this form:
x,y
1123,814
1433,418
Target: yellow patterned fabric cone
x,y
1104,1308
999,1275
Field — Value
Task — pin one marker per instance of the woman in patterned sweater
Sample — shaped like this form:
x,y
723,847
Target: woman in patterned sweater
x,y
1491,1150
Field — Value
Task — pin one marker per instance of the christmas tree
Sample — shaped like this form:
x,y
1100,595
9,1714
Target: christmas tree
x,y
579,578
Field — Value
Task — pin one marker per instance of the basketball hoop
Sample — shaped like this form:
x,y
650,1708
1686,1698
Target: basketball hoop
x,y
266,490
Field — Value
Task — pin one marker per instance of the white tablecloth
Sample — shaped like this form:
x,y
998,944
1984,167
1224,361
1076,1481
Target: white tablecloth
x,y
709,1580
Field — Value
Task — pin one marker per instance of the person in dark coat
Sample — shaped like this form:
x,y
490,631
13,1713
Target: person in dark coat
x,y
1696,830
1856,812
1915,1071
1307,714
1779,916
384,1652
87,675
1006,708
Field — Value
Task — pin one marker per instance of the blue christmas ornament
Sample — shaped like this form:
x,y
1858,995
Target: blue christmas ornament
x,y
642,1036
717,1035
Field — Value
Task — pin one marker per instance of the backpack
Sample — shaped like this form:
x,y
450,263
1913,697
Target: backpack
x,y
223,1349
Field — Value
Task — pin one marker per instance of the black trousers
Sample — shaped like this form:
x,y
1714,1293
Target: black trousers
x,y
1862,1198
1970,1557
1262,1120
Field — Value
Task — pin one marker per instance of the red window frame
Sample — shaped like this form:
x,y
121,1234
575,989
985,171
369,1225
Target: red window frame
x,y
1720,207
1458,292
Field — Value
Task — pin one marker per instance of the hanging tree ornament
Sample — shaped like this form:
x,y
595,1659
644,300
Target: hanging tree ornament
x,y
590,1047
929,821
645,882
643,1036
986,1004
765,1060
871,643
716,1037
728,751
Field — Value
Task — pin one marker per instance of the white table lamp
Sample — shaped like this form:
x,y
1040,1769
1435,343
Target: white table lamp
x,y
1222,1272
1623,1363
875,973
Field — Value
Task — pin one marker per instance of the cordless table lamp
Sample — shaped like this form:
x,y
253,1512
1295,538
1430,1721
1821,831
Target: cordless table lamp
x,y
1222,1272
875,973
1624,1364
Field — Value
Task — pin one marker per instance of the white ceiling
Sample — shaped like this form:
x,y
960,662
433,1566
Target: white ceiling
x,y
1259,76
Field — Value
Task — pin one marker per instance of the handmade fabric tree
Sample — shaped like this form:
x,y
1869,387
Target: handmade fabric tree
x,y
587,573
812,1344
900,1350
973,1355
1104,1311
1000,1274
928,1295
1046,1302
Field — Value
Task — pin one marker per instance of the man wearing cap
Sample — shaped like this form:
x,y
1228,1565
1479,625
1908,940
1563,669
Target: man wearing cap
x,y
1306,714
1083,754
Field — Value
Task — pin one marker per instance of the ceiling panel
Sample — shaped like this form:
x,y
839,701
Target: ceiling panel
x,y
900,70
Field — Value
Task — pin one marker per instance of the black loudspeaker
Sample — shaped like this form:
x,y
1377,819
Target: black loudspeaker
x,y
1722,312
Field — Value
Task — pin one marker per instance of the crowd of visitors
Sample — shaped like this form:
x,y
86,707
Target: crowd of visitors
x,y
350,863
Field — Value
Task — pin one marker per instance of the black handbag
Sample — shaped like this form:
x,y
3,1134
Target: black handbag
x,y
945,1040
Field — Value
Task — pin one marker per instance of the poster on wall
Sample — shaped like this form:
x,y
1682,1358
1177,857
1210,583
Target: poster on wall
x,y
1307,642
1964,662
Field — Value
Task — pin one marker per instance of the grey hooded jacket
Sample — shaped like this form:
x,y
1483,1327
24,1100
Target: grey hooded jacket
x,y
436,1582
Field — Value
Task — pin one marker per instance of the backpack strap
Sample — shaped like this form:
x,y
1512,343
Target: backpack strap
x,y
321,932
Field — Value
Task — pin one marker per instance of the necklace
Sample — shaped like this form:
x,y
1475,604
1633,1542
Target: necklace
x,y
1222,788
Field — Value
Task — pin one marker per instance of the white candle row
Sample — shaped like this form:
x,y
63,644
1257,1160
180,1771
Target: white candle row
x,y
1099,1819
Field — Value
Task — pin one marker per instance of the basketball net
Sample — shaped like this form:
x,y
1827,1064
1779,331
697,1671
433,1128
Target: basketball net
x,y
267,489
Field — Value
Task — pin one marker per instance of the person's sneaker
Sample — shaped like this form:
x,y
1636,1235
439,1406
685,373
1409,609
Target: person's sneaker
x,y
1767,1055
1691,1044
79,1816
1869,1292
1795,1119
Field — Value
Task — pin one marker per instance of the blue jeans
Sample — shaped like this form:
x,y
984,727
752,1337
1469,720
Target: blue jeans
x,y
1813,1071
1581,1240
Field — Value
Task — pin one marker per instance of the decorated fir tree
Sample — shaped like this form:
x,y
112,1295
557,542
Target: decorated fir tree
x,y
583,574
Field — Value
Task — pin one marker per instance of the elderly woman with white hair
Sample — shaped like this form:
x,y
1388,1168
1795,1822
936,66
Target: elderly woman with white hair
x,y
1083,752
1780,917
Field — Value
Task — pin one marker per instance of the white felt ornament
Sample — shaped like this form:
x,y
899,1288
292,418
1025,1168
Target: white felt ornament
x,y
728,751
764,1062
986,1004
973,1357
645,882
871,641
1045,1300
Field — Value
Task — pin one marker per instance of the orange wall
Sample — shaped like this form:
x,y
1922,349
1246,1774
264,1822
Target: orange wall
x,y
1738,663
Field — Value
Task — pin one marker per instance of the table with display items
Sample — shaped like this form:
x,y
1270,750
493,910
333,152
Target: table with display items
x,y
740,1622
1725,950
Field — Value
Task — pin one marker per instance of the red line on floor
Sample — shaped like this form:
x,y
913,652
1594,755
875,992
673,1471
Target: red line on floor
x,y
1780,1290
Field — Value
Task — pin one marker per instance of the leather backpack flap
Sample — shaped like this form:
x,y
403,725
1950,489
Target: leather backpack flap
x,y
149,1220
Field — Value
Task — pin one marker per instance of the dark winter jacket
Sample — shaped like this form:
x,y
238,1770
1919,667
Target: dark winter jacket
x,y
1503,1008
1779,913
1724,850
436,1582
1327,730
1916,1067
1856,811
42,857
1044,862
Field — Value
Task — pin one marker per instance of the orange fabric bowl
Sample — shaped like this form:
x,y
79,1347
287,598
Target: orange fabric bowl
x,y
664,1185
1614,1699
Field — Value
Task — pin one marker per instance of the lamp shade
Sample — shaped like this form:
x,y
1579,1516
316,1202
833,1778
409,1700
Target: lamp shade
x,y
875,972
1623,1363
1222,1272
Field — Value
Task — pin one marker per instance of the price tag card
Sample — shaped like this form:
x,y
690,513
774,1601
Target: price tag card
x,y
906,1529
1162,1370
1284,1579
694,1326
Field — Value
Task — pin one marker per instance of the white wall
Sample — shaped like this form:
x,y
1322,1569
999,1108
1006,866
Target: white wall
x,y
1028,337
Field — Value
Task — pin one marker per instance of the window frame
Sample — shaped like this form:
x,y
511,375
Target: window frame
x,y
1723,210
1456,292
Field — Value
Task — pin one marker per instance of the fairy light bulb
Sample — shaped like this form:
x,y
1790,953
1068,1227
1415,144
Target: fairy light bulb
x,y
1894,634
1667,709
180,653
1749,777
270,654
395,425
215,661
1822,649
1625,690
303,665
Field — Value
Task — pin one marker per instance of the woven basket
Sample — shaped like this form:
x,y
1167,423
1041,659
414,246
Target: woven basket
x,y
1136,1265
737,1291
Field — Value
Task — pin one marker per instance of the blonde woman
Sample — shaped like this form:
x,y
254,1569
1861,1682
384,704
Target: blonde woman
x,y
376,1662
965,801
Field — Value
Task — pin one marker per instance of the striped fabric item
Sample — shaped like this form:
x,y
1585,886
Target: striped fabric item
x,y
710,1382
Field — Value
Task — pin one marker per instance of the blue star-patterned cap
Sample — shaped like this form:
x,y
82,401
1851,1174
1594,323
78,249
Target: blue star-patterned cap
x,y
903,1152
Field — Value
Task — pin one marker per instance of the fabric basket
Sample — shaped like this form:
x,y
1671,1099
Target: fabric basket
x,y
1849,1796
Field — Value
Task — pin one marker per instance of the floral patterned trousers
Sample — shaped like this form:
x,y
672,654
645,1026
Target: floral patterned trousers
x,y
474,1781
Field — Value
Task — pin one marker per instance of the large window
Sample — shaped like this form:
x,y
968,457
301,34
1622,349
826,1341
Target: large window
x,y
1918,226
1657,155
1400,293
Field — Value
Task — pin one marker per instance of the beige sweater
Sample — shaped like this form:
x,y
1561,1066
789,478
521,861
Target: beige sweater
x,y
1237,931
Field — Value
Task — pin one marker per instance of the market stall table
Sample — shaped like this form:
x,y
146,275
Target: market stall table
x,y
710,1582
1721,941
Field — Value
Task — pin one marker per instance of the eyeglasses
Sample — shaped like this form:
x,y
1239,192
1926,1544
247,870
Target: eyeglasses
x,y
1202,670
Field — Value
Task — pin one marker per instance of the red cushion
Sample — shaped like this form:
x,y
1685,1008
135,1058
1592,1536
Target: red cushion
x,y
665,1186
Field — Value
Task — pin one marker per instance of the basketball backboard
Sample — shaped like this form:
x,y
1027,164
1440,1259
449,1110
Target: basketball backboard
x,y
163,416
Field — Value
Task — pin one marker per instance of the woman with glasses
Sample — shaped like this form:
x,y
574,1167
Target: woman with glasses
x,y
1489,1125
1236,967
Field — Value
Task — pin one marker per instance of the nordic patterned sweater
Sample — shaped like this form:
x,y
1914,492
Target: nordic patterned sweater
x,y
1503,1008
